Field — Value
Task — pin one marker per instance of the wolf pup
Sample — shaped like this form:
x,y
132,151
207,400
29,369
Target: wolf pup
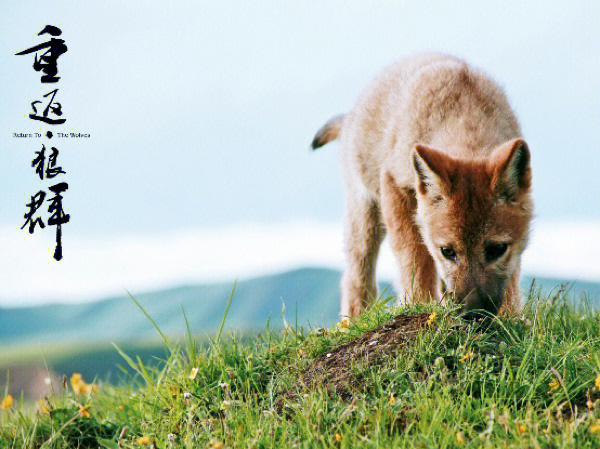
x,y
432,154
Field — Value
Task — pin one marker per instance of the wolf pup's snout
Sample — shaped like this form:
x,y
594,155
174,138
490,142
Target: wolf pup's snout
x,y
478,303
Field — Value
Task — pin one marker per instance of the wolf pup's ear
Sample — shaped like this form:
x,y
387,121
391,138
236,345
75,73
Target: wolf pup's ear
x,y
511,170
431,167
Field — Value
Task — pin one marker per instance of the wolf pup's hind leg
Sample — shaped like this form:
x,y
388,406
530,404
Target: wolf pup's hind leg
x,y
363,235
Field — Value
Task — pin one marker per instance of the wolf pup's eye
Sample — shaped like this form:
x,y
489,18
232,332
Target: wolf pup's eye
x,y
494,250
448,253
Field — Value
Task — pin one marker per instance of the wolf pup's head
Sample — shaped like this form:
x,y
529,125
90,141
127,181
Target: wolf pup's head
x,y
474,217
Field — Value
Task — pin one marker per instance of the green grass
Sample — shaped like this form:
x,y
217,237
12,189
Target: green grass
x,y
90,360
526,382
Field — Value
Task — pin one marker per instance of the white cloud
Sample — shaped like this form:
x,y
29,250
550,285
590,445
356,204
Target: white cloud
x,y
96,268
564,249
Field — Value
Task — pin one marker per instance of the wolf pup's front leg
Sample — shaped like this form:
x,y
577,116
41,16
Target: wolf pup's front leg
x,y
417,276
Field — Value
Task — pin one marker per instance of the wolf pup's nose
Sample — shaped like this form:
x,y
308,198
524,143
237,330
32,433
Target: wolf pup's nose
x,y
479,307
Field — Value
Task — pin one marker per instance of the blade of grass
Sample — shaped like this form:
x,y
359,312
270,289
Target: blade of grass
x,y
190,344
229,301
163,336
132,364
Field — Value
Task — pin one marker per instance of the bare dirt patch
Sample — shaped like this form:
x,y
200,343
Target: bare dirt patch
x,y
335,368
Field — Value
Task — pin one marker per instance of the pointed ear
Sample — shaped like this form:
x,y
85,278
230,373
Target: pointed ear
x,y
431,167
511,170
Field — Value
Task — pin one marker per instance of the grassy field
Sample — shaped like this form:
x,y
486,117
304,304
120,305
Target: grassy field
x,y
520,382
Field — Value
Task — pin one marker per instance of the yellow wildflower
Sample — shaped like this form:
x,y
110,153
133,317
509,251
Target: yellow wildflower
x,y
338,437
42,406
392,399
344,323
597,382
215,444
554,384
522,428
75,378
80,386
460,438
468,356
432,318
343,326
7,402
143,441
589,404
83,411
193,373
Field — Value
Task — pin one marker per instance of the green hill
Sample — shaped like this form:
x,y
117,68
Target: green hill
x,y
424,379
310,296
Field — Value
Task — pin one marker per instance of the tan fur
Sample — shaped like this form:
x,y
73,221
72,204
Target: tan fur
x,y
328,132
432,154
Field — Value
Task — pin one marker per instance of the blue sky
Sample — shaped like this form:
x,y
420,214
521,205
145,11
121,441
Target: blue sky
x,y
201,113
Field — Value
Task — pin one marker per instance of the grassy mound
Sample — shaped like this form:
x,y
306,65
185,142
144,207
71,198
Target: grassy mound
x,y
520,382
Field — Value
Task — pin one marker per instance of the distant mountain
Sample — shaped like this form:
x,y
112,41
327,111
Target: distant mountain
x,y
310,297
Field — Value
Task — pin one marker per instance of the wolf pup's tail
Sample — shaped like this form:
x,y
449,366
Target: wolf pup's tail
x,y
328,132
